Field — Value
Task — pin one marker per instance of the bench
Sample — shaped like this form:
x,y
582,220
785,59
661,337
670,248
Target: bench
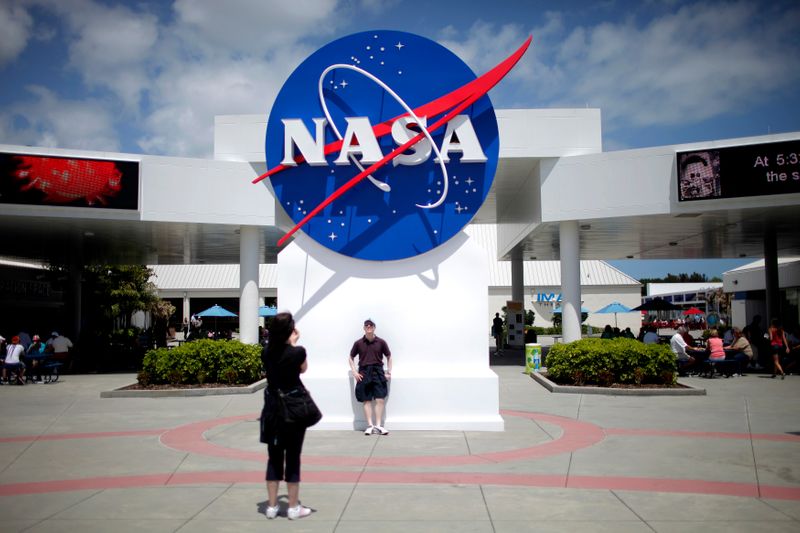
x,y
50,371
14,375
48,368
726,367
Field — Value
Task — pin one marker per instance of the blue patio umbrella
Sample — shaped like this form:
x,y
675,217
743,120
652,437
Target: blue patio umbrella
x,y
614,307
216,311
557,310
584,312
266,310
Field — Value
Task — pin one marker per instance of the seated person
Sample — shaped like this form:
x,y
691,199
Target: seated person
x,y
35,356
628,334
687,356
13,361
651,337
715,349
740,349
727,337
687,337
608,333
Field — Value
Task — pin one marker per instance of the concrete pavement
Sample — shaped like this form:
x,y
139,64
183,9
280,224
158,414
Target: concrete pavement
x,y
71,461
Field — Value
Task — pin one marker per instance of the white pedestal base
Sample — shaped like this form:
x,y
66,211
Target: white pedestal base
x,y
431,311
449,401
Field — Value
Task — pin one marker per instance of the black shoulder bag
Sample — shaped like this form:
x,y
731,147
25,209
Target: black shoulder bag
x,y
298,407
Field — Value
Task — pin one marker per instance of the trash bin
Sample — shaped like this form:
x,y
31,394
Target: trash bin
x,y
533,357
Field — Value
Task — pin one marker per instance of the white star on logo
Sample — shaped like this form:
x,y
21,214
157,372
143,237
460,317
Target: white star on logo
x,y
332,236
344,84
470,181
399,45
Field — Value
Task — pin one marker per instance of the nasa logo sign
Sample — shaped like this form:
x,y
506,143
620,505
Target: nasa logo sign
x,y
383,145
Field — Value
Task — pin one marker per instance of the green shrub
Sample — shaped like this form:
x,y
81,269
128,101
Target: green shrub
x,y
606,361
203,361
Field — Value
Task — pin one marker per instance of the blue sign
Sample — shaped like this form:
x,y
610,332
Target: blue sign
x,y
383,145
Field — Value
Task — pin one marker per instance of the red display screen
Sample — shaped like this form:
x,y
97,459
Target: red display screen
x,y
68,181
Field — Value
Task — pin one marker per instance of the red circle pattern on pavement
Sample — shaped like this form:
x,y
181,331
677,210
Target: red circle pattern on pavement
x,y
575,435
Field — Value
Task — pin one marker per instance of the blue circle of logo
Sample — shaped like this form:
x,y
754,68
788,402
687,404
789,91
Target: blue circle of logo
x,y
374,150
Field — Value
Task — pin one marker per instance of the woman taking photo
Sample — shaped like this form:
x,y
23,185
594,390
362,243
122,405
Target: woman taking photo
x,y
283,362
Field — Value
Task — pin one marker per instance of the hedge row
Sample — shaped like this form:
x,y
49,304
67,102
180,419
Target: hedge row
x,y
202,361
607,361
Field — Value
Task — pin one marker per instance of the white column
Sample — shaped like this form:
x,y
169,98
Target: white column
x,y
248,284
570,280
186,308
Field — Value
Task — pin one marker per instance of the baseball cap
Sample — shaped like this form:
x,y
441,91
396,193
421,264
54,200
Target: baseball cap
x,y
369,322
54,334
36,337
15,340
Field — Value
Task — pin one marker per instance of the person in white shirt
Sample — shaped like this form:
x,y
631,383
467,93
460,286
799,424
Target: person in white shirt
x,y
684,353
59,345
13,361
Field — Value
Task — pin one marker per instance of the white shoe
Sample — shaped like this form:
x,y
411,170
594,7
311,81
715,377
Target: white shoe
x,y
370,430
272,512
298,512
380,430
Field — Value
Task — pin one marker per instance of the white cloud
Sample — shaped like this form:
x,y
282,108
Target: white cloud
x,y
221,58
186,98
700,61
250,26
47,120
111,47
376,7
15,28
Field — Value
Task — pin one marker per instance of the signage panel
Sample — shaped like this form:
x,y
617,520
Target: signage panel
x,y
739,171
68,181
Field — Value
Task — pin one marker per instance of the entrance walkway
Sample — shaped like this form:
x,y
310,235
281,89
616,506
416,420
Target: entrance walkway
x,y
70,461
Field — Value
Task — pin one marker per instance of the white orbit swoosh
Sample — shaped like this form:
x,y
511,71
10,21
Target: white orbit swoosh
x,y
381,185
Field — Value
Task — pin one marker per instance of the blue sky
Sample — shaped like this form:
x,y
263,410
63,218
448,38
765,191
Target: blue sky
x,y
149,76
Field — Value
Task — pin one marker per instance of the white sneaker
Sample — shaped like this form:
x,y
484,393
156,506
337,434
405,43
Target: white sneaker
x,y
298,512
272,512
380,430
370,430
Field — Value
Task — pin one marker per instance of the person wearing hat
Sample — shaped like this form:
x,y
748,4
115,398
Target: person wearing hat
x,y
34,356
371,380
13,362
59,345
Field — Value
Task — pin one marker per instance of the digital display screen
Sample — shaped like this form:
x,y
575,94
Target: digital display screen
x,y
68,181
739,171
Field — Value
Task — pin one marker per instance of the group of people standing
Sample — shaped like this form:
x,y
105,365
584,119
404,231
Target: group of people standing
x,y
24,352
284,360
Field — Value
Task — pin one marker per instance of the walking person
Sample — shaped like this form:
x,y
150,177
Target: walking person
x,y
283,361
497,333
778,346
371,380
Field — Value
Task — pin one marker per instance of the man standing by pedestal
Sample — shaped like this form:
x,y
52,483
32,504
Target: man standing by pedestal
x,y
371,380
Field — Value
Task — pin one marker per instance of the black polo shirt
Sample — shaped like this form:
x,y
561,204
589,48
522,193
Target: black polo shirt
x,y
370,352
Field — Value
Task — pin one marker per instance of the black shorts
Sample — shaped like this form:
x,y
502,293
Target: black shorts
x,y
373,384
